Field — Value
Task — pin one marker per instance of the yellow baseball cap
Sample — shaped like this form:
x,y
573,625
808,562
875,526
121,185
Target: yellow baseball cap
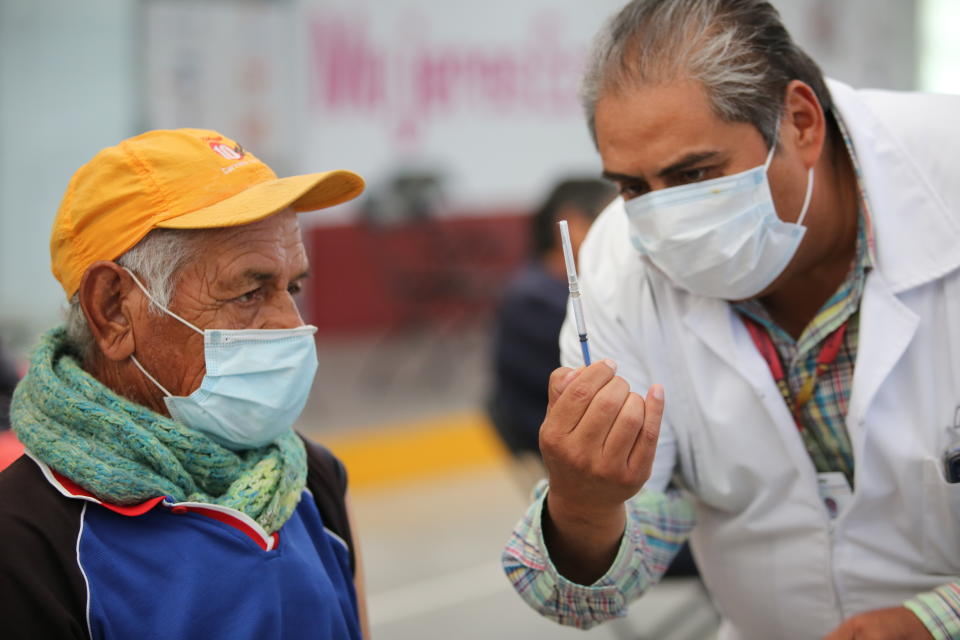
x,y
174,179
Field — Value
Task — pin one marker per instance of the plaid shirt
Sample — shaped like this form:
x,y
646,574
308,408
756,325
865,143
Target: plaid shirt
x,y
823,417
658,523
657,526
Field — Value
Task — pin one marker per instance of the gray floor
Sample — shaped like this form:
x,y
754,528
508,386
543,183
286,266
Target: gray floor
x,y
432,550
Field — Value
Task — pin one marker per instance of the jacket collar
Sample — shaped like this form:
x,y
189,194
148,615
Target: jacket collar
x,y
226,515
71,489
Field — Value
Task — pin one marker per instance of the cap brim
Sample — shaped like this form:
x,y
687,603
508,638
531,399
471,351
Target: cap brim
x,y
300,193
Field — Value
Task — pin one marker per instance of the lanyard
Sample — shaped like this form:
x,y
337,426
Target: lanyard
x,y
827,356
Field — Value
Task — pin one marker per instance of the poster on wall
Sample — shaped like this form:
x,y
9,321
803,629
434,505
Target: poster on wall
x,y
477,102
485,99
484,102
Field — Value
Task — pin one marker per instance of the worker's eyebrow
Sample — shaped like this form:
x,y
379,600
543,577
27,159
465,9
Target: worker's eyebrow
x,y
687,161
621,177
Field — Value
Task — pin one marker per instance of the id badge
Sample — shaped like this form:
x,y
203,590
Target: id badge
x,y
835,492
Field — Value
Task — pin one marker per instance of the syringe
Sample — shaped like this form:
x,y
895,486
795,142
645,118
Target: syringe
x,y
574,290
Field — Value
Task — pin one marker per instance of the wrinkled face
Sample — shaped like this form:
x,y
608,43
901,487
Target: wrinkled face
x,y
666,135
243,277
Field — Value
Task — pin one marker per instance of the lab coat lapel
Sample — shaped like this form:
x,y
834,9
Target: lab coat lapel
x,y
916,240
911,249
718,326
886,328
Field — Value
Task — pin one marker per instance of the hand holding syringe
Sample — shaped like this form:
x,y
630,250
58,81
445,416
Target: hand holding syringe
x,y
574,290
598,442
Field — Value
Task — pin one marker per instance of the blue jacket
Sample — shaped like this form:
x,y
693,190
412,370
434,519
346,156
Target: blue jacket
x,y
72,566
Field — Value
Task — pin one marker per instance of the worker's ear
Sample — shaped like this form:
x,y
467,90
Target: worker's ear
x,y
110,301
804,125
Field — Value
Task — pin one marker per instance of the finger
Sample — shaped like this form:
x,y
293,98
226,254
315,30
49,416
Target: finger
x,y
559,380
569,408
592,429
645,446
623,434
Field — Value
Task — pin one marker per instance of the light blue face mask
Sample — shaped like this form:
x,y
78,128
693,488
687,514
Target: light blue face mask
x,y
718,238
255,386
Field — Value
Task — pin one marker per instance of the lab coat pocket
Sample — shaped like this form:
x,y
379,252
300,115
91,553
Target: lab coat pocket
x,y
712,469
941,520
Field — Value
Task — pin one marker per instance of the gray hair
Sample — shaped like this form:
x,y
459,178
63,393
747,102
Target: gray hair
x,y
156,260
738,49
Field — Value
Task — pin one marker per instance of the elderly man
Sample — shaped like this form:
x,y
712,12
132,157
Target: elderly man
x,y
163,493
784,262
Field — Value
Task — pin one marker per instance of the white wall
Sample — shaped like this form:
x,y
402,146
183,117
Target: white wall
x,y
67,89
485,96
940,47
78,76
866,43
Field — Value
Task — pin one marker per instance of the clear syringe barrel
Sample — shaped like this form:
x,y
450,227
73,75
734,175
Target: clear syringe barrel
x,y
572,281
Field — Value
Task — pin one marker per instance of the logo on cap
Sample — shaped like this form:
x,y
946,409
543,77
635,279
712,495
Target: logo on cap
x,y
230,153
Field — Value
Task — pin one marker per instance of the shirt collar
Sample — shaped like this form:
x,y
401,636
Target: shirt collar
x,y
846,300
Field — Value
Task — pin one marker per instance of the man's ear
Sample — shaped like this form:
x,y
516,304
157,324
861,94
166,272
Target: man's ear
x,y
109,303
806,121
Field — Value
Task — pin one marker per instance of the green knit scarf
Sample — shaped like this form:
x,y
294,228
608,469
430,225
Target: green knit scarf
x,y
125,454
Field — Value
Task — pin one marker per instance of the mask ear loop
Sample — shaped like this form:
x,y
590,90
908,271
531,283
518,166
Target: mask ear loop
x,y
154,301
807,198
809,194
766,165
168,312
773,147
150,377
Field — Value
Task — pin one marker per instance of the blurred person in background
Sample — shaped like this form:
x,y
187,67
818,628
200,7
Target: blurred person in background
x,y
10,447
526,346
784,262
163,493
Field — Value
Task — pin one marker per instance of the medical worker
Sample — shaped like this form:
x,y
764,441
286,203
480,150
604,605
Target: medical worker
x,y
781,279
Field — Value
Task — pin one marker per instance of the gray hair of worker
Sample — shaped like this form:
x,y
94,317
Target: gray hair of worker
x,y
156,260
738,49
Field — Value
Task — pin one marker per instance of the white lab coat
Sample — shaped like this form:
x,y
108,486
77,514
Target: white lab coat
x,y
774,563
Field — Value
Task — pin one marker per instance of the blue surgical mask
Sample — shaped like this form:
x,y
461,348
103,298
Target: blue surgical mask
x,y
718,238
255,386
